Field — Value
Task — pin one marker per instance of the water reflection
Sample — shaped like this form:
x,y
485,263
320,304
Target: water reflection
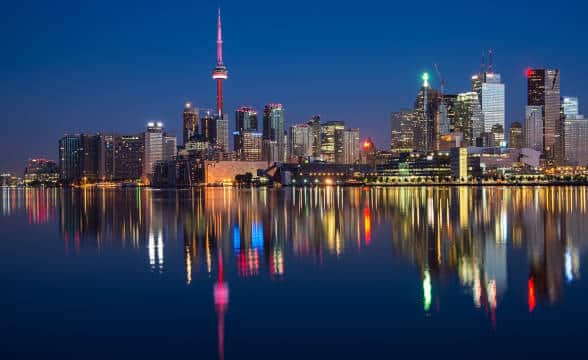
x,y
446,233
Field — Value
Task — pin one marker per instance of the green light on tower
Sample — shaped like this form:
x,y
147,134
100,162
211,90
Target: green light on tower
x,y
425,78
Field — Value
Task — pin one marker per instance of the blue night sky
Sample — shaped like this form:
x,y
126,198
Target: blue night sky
x,y
111,66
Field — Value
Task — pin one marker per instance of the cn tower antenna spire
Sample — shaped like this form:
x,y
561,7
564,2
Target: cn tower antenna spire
x,y
219,39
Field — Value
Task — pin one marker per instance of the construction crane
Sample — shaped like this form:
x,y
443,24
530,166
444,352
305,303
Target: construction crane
x,y
441,80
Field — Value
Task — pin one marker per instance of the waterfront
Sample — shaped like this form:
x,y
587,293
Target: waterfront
x,y
313,272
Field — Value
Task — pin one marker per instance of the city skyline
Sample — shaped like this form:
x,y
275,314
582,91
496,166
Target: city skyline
x,y
63,114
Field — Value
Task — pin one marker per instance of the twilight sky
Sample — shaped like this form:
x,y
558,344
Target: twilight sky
x,y
112,66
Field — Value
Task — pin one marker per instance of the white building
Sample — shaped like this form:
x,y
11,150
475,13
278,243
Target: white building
x,y
153,147
492,101
534,127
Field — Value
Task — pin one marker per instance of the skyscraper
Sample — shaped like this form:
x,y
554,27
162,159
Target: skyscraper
x,y
516,138
570,106
315,131
273,130
220,72
90,157
245,120
402,132
69,157
208,126
301,141
222,133
544,90
252,146
170,147
347,146
153,148
106,161
129,157
468,117
426,126
190,125
492,101
328,133
534,127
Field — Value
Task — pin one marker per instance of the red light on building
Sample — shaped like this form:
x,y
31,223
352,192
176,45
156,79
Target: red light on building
x,y
531,294
529,72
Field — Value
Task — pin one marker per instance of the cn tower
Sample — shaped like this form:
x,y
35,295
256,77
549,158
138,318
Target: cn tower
x,y
220,72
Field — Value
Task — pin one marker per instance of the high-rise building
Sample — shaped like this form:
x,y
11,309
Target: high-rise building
x,y
328,133
576,140
516,138
208,126
129,157
222,133
492,101
69,157
301,141
534,127
153,148
170,147
402,133
570,106
450,101
245,120
544,90
315,131
106,160
220,72
468,117
252,146
347,146
190,125
90,157
498,134
273,129
426,126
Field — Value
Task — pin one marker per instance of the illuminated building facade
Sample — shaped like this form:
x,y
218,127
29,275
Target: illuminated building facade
x,y
301,141
252,148
245,120
90,157
153,148
274,132
328,134
69,157
347,146
516,137
402,131
220,72
468,117
315,131
534,127
190,122
129,157
543,89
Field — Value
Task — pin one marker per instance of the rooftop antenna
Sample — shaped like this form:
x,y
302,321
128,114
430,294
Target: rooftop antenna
x,y
490,64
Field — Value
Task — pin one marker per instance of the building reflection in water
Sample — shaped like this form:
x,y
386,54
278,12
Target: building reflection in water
x,y
454,232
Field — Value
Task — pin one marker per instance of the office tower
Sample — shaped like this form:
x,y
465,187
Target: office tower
x,y
106,159
450,101
270,151
468,117
170,147
222,133
570,106
328,131
516,138
347,146
220,72
426,130
576,140
315,131
301,141
89,157
273,130
69,157
492,101
208,126
544,90
402,133
190,125
534,127
129,157
498,134
153,148
252,146
245,119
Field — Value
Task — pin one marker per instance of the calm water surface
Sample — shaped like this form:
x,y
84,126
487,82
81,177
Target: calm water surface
x,y
341,273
